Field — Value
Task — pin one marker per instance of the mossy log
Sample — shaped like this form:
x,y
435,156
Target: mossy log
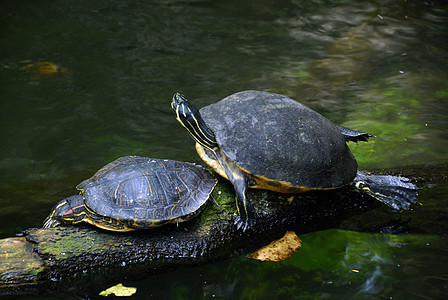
x,y
42,260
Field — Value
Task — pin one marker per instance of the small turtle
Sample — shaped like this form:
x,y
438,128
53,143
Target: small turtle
x,y
136,192
269,141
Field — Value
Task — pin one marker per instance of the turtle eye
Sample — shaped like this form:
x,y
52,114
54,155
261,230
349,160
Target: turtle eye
x,y
179,98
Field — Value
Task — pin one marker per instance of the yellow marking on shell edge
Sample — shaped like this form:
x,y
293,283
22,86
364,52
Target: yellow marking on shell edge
x,y
102,226
261,182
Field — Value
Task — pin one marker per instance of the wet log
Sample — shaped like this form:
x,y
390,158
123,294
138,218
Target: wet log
x,y
43,260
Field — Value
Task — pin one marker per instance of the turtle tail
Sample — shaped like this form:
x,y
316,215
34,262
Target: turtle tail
x,y
353,135
395,191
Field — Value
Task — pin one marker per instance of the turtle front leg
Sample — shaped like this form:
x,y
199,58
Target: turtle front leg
x,y
246,212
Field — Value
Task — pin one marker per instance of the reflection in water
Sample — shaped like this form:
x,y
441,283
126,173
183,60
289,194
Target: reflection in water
x,y
371,286
365,263
221,290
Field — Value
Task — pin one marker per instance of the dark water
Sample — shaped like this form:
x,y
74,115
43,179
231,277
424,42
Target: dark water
x,y
378,66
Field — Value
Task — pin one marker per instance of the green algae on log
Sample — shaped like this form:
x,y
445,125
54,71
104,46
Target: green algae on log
x,y
18,262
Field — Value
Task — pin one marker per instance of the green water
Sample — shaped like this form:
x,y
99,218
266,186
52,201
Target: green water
x,y
378,66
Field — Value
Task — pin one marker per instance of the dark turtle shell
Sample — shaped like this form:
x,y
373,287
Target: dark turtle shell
x,y
283,143
141,192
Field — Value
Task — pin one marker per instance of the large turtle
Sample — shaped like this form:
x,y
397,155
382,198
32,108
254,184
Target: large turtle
x,y
136,192
269,141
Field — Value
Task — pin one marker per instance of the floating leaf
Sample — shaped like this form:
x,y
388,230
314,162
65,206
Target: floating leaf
x,y
119,290
45,67
280,249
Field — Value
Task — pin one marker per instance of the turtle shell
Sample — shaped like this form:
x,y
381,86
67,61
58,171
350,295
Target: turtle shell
x,y
141,192
285,145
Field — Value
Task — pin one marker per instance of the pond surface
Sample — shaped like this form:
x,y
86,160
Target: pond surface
x,y
85,82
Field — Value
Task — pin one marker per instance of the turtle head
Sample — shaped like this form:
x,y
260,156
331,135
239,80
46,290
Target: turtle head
x,y
68,211
190,117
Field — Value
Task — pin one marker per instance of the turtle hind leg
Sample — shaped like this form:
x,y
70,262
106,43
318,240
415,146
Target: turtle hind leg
x,y
70,210
396,192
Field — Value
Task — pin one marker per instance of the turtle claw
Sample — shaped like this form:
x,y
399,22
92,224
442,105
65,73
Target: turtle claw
x,y
241,224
